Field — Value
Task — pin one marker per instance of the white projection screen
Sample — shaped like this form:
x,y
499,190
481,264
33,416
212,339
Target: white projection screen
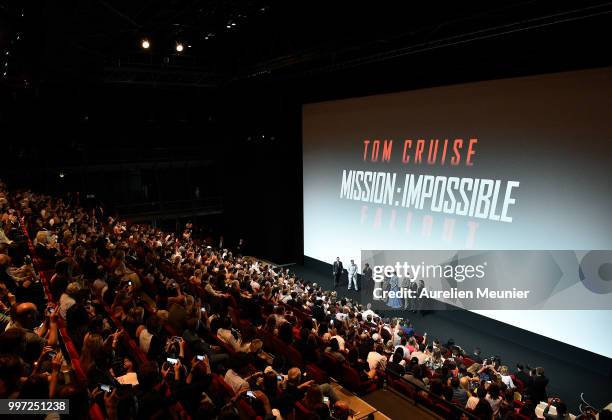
x,y
546,139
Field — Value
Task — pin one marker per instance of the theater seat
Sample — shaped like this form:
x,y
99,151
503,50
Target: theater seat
x,y
316,374
468,362
352,381
332,366
443,410
293,356
404,388
425,401
520,386
95,412
300,412
219,391
245,410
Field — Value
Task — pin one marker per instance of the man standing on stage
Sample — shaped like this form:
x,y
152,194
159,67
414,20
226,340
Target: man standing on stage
x,y
352,275
412,302
404,287
366,276
337,271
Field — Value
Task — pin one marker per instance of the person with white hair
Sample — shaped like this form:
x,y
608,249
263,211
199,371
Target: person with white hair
x,y
68,298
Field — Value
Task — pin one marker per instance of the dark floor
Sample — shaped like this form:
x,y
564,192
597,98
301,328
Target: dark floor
x,y
567,380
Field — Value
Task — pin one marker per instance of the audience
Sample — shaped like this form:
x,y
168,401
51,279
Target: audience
x,y
165,322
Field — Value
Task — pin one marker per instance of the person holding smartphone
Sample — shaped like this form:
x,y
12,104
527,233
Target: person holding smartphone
x,y
561,408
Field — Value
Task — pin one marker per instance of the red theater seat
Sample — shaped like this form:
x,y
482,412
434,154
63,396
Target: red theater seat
x,y
293,356
424,401
443,410
316,374
331,366
520,386
404,388
300,412
468,362
352,381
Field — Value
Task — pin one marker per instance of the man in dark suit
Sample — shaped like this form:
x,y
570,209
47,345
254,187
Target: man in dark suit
x,y
522,374
477,357
318,311
337,271
366,276
537,388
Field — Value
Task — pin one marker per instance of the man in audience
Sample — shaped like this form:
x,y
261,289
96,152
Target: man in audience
x,y
25,317
459,394
377,359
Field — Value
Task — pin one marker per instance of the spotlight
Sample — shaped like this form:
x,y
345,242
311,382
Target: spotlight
x,y
61,175
145,44
179,47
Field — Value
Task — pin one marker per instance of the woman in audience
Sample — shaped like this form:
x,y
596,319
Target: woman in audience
x,y
505,377
92,345
473,400
494,398
436,361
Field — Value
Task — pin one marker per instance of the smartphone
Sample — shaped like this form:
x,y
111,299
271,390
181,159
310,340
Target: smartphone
x,y
251,394
279,377
326,400
52,354
106,388
130,283
203,309
171,360
201,357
